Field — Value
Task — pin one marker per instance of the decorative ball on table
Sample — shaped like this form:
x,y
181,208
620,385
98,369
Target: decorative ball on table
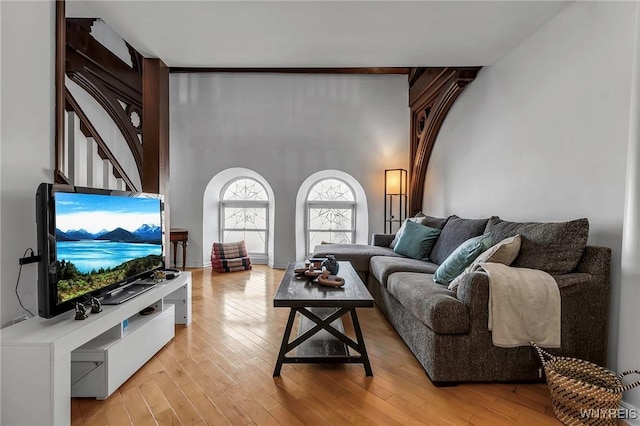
x,y
331,264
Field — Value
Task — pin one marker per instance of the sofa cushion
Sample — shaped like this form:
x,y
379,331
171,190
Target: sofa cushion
x,y
358,254
461,257
455,232
382,266
433,304
416,241
553,247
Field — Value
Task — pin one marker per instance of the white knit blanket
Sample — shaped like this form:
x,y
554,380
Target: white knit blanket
x,y
524,306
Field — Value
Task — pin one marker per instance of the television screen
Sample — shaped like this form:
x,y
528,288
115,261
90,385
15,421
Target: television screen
x,y
102,239
93,241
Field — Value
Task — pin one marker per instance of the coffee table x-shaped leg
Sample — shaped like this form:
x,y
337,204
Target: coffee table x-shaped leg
x,y
320,347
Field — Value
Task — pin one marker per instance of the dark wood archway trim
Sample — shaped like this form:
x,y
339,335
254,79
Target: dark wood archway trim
x,y
107,79
432,93
118,115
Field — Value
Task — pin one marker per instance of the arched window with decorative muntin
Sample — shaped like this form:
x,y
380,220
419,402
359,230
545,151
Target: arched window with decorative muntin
x,y
244,214
330,213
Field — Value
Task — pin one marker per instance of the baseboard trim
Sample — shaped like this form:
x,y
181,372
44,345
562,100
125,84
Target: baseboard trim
x,y
272,265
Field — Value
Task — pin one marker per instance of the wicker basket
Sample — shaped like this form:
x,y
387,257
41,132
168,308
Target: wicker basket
x,y
583,393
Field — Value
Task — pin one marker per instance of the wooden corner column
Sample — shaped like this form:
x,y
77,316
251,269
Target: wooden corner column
x,y
155,128
61,31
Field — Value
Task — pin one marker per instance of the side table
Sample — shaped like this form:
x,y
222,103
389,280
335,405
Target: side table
x,y
179,236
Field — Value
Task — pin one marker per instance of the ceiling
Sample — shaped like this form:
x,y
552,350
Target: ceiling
x,y
321,33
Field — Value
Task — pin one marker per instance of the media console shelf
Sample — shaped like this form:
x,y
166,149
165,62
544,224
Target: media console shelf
x,y
41,359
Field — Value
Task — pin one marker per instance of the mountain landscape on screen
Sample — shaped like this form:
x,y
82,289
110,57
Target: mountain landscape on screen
x,y
147,233
89,261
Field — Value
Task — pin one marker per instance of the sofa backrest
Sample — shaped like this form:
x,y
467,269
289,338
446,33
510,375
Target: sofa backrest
x,y
553,247
455,232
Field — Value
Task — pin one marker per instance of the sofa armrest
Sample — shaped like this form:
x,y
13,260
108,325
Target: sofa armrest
x,y
584,309
595,261
382,240
568,280
473,291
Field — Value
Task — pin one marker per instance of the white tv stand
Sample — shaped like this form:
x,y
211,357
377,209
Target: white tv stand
x,y
37,354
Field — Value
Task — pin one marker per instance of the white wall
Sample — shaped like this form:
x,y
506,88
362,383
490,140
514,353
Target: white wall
x,y
26,139
542,135
628,332
285,127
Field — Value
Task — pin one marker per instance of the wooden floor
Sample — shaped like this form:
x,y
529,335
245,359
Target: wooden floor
x,y
219,371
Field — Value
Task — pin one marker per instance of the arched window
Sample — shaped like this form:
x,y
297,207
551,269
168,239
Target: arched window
x,y
330,213
244,214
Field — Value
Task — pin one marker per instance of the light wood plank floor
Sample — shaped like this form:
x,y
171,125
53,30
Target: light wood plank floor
x,y
218,371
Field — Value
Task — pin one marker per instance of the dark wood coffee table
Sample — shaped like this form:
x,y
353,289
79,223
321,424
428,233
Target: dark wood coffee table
x,y
321,337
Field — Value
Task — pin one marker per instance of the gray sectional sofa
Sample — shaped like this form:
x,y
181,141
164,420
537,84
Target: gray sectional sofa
x,y
447,330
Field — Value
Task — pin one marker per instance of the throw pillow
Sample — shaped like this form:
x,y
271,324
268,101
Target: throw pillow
x,y
455,232
461,257
416,219
416,241
504,252
553,247
229,250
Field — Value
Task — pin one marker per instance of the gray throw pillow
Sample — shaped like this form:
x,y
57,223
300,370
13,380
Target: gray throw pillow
x,y
455,232
433,222
553,247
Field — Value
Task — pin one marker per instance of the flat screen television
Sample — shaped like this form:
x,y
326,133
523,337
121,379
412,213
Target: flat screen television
x,y
93,241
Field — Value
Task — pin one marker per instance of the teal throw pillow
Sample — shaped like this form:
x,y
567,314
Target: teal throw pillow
x,y
461,257
416,240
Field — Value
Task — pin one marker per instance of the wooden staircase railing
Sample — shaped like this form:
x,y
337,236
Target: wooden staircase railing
x,y
87,160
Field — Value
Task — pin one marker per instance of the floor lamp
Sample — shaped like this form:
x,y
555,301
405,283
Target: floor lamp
x,y
395,187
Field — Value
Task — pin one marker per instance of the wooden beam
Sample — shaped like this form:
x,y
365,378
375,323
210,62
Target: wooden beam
x,y
387,70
